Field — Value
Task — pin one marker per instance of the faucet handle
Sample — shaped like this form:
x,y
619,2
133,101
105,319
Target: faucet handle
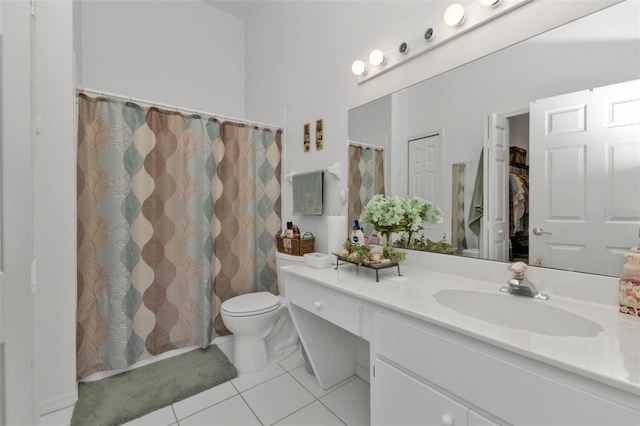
x,y
518,269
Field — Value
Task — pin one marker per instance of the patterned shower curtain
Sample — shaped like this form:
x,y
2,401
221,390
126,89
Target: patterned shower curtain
x,y
176,213
366,179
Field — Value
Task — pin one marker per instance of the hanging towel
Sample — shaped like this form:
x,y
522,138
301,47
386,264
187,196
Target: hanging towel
x,y
308,192
475,209
458,237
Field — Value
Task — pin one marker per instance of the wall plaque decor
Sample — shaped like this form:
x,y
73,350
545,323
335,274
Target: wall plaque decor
x,y
319,136
307,137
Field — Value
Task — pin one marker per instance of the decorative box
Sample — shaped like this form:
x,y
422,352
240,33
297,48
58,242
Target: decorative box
x,y
317,260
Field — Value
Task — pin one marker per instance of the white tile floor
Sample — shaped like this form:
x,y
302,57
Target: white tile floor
x,y
283,394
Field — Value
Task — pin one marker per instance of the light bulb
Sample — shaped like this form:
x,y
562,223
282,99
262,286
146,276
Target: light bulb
x,y
454,15
358,68
376,58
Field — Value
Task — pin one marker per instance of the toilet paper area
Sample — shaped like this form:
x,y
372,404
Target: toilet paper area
x,y
317,260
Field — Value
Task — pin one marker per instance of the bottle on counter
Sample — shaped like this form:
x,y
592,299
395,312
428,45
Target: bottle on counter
x,y
629,296
357,237
296,232
289,231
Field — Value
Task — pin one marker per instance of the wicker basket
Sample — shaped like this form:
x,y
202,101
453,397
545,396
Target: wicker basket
x,y
295,247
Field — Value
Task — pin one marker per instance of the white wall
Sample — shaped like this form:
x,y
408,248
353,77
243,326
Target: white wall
x,y
298,59
183,53
54,221
16,311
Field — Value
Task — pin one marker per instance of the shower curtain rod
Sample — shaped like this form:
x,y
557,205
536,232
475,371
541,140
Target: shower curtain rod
x,y
368,145
172,107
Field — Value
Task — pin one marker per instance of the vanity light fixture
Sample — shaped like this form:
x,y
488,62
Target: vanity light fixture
x,y
429,35
458,21
454,15
492,3
359,68
376,58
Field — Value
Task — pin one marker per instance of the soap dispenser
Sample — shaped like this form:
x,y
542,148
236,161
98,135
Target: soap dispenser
x,y
357,237
629,296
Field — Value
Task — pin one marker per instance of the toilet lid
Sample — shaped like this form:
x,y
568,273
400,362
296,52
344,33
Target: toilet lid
x,y
251,304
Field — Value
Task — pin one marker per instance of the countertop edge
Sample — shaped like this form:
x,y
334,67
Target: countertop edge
x,y
608,380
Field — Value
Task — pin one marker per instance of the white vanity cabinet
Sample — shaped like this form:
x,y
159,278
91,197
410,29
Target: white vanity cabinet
x,y
427,371
453,372
399,399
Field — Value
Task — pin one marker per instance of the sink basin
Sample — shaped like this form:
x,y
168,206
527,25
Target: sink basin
x,y
517,312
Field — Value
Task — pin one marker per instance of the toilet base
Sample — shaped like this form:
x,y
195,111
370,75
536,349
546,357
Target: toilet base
x,y
251,355
262,340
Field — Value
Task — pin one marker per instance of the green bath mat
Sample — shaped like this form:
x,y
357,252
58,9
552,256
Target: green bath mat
x,y
118,399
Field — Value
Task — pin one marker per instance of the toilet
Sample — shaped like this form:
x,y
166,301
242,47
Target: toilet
x,y
262,327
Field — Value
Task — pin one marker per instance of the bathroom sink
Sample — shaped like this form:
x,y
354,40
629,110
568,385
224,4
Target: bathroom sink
x,y
517,312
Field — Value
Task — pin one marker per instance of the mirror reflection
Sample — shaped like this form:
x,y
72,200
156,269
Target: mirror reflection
x,y
507,146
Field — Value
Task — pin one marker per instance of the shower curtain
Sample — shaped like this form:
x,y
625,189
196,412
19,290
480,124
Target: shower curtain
x,y
366,179
176,214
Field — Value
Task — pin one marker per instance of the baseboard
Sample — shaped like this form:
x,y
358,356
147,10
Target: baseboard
x,y
362,372
55,404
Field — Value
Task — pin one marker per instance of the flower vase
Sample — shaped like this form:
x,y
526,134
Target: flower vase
x,y
386,238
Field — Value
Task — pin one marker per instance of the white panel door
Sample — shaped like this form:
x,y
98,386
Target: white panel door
x,y
425,173
585,199
496,192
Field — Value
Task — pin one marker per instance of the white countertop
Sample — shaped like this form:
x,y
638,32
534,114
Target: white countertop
x,y
611,357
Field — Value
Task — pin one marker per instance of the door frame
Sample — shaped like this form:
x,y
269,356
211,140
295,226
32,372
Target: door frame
x,y
488,213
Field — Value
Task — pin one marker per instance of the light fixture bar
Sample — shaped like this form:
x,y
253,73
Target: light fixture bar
x,y
475,15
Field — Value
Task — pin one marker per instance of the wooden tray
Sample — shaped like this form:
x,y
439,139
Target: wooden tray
x,y
375,266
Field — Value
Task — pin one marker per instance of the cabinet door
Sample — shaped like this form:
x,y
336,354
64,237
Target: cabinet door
x,y
399,399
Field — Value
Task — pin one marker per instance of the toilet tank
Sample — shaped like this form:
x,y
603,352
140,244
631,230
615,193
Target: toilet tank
x,y
284,259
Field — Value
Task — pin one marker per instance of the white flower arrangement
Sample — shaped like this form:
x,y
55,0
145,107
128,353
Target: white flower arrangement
x,y
400,214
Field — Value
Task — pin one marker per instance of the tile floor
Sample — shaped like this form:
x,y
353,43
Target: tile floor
x,y
283,394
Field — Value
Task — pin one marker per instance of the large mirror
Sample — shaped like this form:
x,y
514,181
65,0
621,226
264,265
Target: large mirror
x,y
550,188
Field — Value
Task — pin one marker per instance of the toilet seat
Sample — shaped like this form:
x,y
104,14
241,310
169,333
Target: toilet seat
x,y
251,304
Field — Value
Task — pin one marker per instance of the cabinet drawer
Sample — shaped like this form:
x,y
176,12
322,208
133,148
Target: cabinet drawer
x,y
407,401
333,306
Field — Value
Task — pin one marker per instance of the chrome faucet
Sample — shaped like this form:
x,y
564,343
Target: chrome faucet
x,y
520,285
